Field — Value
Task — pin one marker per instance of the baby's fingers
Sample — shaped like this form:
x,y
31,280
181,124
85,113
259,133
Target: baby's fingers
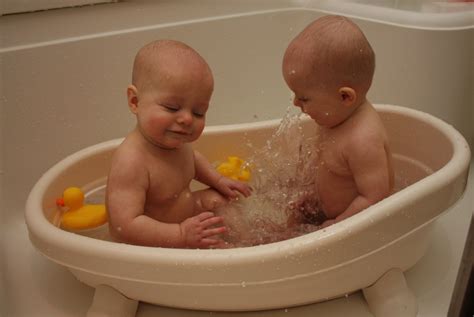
x,y
246,190
211,221
229,192
207,242
204,215
213,231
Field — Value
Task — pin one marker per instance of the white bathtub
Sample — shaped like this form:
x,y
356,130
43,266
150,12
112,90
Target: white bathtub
x,y
54,78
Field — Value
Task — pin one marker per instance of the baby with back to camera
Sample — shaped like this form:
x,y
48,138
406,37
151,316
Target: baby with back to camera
x,y
329,66
148,198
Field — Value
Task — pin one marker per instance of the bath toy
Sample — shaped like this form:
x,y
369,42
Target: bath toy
x,y
233,168
79,216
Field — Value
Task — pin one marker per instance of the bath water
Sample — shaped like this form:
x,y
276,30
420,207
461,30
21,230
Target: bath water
x,y
283,176
284,172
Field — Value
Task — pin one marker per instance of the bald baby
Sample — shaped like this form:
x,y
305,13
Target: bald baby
x,y
149,201
329,66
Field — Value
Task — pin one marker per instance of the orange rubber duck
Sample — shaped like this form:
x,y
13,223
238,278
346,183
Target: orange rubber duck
x,y
234,168
79,216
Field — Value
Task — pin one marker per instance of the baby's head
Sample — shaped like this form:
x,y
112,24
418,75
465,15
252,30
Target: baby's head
x,y
170,92
329,66
168,59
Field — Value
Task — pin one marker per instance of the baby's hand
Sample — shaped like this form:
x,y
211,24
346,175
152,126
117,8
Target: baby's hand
x,y
198,231
227,187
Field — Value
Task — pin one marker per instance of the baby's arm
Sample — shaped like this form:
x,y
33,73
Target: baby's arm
x,y
126,195
206,174
372,174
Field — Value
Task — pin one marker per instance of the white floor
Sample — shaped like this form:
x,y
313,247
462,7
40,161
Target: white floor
x,y
34,286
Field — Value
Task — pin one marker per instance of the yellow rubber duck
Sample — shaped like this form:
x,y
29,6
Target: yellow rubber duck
x,y
233,168
79,216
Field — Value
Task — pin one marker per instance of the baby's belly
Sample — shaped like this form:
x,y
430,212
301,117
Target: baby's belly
x,y
172,210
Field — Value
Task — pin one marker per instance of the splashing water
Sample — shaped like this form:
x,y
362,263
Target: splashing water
x,y
283,177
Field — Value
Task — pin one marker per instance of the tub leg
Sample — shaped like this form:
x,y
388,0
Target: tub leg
x,y
391,297
108,302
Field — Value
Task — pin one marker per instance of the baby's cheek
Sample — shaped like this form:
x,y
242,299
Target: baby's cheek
x,y
154,129
199,126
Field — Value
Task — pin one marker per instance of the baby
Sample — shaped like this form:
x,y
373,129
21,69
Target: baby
x,y
329,66
148,197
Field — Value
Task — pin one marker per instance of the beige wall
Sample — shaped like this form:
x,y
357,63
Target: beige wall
x,y
16,6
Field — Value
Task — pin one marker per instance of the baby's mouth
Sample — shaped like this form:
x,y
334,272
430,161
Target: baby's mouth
x,y
179,132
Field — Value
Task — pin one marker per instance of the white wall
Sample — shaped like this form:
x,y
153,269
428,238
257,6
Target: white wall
x,y
16,6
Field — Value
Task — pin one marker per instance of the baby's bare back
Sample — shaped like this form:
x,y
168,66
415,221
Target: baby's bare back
x,y
354,161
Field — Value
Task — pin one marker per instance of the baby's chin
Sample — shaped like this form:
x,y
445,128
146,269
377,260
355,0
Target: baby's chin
x,y
322,121
168,144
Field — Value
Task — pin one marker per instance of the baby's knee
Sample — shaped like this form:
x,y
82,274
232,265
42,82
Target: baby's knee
x,y
209,199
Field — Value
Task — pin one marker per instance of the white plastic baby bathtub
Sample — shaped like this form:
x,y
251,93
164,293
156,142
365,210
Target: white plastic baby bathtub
x,y
367,251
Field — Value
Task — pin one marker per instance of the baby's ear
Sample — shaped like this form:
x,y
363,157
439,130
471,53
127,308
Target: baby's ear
x,y
348,96
132,97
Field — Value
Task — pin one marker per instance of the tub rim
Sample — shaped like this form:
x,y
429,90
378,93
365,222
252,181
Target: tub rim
x,y
39,227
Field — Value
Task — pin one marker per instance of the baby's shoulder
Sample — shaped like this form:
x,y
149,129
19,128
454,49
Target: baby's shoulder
x,y
128,157
368,124
365,137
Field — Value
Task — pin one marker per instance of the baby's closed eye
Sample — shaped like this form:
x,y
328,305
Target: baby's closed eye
x,y
170,107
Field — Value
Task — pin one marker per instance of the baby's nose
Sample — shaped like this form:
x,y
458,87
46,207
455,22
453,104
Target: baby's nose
x,y
185,118
297,102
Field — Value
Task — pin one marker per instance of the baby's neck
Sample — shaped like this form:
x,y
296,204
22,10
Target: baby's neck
x,y
357,109
363,104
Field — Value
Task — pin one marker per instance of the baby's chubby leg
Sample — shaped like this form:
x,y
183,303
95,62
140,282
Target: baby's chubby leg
x,y
208,200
